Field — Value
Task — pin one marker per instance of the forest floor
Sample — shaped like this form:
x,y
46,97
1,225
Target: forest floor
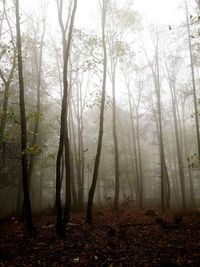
x,y
123,238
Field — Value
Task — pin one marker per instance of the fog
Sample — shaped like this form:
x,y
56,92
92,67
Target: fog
x,y
113,119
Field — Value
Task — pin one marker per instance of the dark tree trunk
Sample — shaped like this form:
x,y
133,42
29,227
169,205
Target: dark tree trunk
x,y
60,225
165,187
5,106
76,160
27,203
68,178
6,82
3,123
99,145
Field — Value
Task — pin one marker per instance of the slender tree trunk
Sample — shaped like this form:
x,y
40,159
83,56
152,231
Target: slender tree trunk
x,y
5,106
82,164
41,182
60,226
127,172
138,195
38,108
99,145
115,139
74,195
3,123
165,185
165,190
79,148
141,184
68,178
75,159
99,193
27,203
179,154
19,197
168,190
80,154
174,183
62,170
193,81
192,197
71,138
78,172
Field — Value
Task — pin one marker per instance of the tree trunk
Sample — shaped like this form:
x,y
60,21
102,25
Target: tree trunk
x,y
76,160
27,203
165,190
193,80
79,154
192,197
3,123
68,178
115,139
38,107
60,227
141,183
71,133
5,106
178,147
138,194
99,145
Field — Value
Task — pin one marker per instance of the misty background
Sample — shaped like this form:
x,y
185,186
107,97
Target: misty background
x,y
151,105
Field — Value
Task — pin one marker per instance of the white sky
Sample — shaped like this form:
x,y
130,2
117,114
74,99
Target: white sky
x,y
152,11
159,11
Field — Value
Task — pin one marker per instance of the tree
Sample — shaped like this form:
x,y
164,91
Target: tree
x,y
171,78
64,139
155,70
115,50
24,161
38,57
186,150
165,188
7,51
129,67
193,80
140,167
100,137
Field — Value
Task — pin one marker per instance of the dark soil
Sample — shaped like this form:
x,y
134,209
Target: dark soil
x,y
124,238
